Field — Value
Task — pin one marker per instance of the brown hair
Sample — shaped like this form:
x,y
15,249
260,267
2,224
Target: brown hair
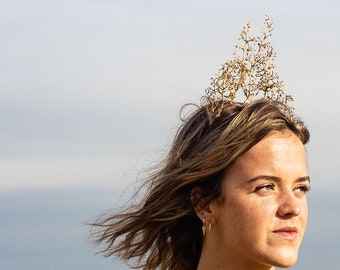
x,y
163,231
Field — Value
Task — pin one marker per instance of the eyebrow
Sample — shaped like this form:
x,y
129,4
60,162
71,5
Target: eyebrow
x,y
277,179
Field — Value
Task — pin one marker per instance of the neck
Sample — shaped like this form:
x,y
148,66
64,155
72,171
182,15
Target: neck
x,y
218,260
232,266
208,265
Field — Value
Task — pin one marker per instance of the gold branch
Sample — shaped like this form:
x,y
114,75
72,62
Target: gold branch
x,y
251,69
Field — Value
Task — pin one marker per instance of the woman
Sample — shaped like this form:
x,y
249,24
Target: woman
x,y
231,193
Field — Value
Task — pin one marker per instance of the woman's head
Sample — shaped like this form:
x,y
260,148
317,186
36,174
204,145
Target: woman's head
x,y
203,151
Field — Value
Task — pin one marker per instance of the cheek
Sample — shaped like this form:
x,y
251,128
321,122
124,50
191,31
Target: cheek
x,y
257,208
245,223
245,214
304,213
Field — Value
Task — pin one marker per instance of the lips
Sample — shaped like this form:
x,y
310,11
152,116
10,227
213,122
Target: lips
x,y
289,233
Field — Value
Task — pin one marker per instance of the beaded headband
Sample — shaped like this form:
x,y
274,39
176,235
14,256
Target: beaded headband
x,y
251,70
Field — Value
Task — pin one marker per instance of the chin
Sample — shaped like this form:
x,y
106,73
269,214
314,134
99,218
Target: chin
x,y
287,258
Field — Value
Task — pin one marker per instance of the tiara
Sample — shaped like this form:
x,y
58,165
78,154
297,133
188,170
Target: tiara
x,y
251,69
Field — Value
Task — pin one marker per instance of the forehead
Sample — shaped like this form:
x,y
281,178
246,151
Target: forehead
x,y
279,144
281,154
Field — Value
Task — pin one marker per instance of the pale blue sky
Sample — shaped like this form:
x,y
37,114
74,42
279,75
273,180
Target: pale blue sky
x,y
91,90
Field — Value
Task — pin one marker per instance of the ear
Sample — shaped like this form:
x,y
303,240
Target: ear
x,y
203,205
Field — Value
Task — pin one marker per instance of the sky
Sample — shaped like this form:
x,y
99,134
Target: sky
x,y
90,91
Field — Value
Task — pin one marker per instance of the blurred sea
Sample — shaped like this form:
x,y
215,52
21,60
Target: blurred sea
x,y
45,230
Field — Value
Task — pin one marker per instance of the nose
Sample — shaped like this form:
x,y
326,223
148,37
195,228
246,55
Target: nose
x,y
289,206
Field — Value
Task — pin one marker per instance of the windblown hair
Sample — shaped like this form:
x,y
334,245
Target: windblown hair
x,y
163,231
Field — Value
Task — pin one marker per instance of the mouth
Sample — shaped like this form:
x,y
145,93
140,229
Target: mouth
x,y
289,233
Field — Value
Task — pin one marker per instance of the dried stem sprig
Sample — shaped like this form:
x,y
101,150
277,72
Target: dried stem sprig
x,y
251,69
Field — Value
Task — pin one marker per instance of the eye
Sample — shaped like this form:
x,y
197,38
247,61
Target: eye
x,y
303,188
265,188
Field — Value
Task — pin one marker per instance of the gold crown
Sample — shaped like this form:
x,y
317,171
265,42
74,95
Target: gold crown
x,y
251,69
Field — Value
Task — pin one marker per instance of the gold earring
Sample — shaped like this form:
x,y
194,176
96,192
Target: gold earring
x,y
203,226
209,227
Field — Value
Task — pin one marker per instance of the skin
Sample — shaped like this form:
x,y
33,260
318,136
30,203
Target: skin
x,y
260,222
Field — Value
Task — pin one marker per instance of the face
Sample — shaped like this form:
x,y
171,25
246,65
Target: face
x,y
263,216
